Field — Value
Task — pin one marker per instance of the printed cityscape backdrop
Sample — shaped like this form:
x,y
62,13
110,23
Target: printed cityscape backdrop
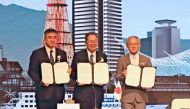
x,y
22,29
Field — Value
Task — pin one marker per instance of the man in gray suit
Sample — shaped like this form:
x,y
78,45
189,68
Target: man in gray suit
x,y
132,97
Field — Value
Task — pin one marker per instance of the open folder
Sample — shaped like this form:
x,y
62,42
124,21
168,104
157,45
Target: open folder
x,y
56,73
97,73
143,77
181,103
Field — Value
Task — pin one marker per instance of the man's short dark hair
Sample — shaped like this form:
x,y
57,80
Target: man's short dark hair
x,y
90,33
50,30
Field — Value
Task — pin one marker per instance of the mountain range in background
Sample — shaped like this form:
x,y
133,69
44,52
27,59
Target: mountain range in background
x,y
21,31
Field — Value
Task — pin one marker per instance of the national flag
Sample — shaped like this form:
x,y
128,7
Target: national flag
x,y
117,90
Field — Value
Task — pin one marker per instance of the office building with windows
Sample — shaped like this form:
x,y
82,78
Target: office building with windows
x,y
103,17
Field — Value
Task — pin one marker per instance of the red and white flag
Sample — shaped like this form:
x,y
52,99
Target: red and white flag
x,y
118,91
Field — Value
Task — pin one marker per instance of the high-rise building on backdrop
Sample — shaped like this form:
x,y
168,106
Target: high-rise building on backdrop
x,y
165,39
103,17
112,30
85,19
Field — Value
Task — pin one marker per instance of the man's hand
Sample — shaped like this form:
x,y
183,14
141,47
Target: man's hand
x,y
80,84
124,73
69,70
44,84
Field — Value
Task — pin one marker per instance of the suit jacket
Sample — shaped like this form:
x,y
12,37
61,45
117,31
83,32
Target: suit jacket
x,y
82,93
129,93
43,93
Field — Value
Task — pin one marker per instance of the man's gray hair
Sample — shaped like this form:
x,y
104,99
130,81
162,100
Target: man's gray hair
x,y
133,36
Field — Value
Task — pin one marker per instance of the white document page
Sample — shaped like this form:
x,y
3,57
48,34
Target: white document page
x,y
148,77
101,73
183,103
133,75
47,73
61,74
84,74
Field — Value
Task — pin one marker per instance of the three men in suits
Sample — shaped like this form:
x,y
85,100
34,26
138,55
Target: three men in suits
x,y
47,95
90,96
132,97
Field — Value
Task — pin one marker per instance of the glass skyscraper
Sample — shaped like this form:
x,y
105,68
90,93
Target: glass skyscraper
x,y
103,17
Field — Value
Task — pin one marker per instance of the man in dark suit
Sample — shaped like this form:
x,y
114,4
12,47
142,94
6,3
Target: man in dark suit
x,y
47,95
89,96
132,97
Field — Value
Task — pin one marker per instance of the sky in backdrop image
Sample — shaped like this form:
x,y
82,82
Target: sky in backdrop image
x,y
22,22
138,15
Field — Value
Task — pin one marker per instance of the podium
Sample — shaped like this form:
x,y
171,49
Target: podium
x,y
68,106
181,103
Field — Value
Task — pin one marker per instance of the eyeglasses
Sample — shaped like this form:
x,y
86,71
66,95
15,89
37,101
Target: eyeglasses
x,y
92,42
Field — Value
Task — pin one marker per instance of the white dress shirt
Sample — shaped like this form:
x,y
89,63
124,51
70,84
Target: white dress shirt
x,y
134,59
94,57
48,52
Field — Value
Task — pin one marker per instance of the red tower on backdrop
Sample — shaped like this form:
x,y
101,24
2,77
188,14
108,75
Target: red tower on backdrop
x,y
57,18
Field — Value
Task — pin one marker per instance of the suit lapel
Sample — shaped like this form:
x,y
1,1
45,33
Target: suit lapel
x,y
97,56
86,59
141,60
45,55
128,59
56,54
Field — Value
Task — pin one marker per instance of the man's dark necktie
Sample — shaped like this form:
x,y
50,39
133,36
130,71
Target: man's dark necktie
x,y
51,57
91,58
